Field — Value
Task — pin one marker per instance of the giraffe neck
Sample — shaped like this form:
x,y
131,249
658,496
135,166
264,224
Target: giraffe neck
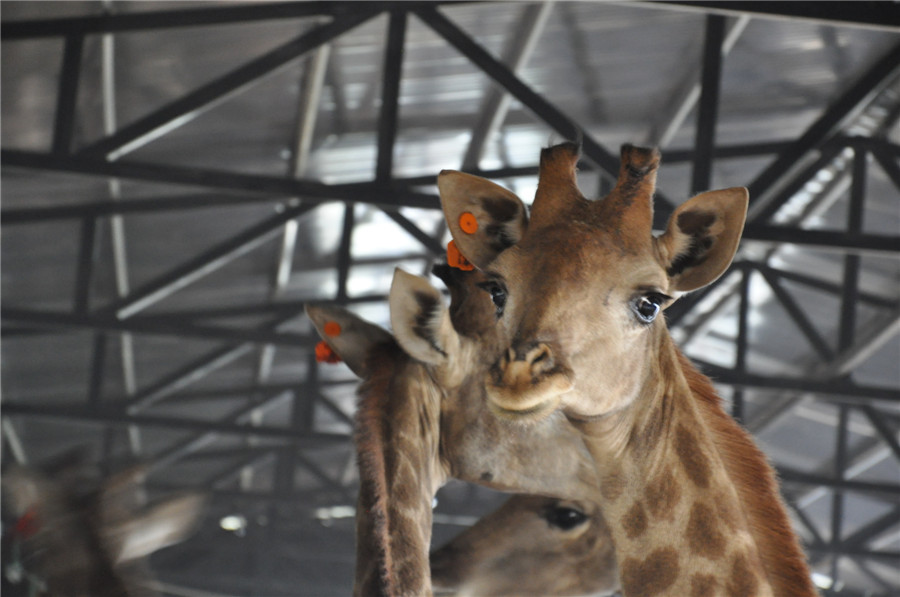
x,y
397,430
687,493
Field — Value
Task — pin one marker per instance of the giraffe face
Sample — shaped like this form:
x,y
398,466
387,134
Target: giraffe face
x,y
578,291
531,545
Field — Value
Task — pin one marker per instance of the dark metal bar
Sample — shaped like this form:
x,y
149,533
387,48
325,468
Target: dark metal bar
x,y
798,316
189,106
887,491
856,242
168,19
96,209
85,266
184,376
115,417
837,498
872,529
390,94
888,164
148,325
839,113
877,420
204,263
546,111
495,105
429,242
311,191
67,94
98,369
827,154
830,287
708,108
192,444
882,15
841,390
807,523
344,257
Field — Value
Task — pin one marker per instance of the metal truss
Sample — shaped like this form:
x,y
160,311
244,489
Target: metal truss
x,y
831,142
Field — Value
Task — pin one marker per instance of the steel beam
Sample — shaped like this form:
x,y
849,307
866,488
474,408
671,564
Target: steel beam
x,y
496,103
546,111
879,15
188,107
117,417
152,326
849,242
170,19
847,107
67,94
226,180
837,390
887,491
708,110
390,93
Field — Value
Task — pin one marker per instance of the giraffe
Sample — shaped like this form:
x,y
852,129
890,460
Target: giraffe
x,y
411,416
75,536
530,546
692,504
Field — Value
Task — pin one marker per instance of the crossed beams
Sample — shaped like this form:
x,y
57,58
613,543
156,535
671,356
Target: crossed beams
x,y
796,163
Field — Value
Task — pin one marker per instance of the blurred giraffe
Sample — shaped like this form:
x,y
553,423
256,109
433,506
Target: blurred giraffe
x,y
76,536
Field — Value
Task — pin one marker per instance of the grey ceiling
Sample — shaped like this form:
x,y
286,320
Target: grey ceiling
x,y
180,178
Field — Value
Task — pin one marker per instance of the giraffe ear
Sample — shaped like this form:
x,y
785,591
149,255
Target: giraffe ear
x,y
420,319
164,524
483,217
702,237
347,334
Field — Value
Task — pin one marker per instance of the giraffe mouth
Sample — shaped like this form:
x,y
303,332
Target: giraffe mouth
x,y
527,382
533,401
534,413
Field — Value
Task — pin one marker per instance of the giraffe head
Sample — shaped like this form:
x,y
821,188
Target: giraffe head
x,y
79,536
531,545
449,345
579,289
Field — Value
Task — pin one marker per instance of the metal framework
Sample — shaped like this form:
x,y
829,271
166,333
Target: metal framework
x,y
836,142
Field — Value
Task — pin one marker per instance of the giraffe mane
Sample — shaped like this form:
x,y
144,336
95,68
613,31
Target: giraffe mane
x,y
757,486
371,442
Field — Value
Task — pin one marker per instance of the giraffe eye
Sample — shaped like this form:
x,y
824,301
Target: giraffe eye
x,y
564,518
647,306
498,294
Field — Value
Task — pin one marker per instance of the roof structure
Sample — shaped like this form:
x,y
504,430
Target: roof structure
x,y
180,178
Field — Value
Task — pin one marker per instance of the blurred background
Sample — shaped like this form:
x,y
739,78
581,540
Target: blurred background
x,y
180,178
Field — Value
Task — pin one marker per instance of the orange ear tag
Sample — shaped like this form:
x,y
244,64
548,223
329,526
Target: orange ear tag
x,y
332,328
468,223
457,259
324,353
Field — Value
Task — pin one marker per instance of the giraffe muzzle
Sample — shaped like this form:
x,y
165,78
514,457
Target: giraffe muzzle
x,y
527,381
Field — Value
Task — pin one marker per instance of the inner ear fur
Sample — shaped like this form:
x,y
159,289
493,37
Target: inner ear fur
x,y
500,215
420,320
356,338
702,237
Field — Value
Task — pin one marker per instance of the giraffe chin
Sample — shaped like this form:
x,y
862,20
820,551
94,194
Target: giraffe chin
x,y
531,403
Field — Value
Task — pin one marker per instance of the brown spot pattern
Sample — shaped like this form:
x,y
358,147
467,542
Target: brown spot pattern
x,y
663,494
694,461
635,521
703,585
612,486
650,433
743,581
651,576
703,536
729,515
